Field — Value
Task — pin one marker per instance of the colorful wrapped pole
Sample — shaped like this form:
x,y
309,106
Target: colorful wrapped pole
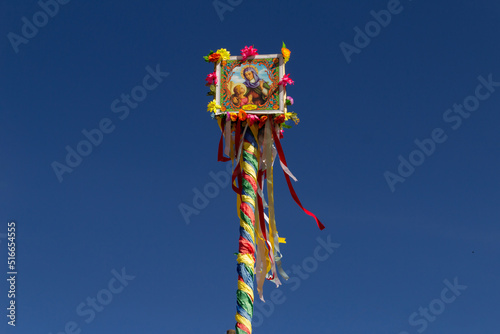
x,y
246,250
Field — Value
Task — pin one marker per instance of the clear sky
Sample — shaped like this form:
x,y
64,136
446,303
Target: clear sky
x,y
397,152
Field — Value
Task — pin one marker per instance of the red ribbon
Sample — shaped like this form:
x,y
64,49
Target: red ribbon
x,y
237,171
220,154
221,157
290,187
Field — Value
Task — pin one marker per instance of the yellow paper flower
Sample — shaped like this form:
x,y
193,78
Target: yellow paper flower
x,y
286,54
292,116
213,106
224,54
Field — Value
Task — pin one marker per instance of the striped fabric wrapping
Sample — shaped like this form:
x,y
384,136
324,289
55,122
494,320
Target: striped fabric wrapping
x,y
246,250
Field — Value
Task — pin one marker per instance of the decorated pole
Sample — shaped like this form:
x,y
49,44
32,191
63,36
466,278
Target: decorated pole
x,y
246,249
250,106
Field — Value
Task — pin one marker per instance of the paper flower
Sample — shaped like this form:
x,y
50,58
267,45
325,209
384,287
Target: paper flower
x,y
248,51
252,119
292,116
214,57
212,78
263,120
234,116
213,106
242,115
224,54
289,100
285,52
286,80
279,119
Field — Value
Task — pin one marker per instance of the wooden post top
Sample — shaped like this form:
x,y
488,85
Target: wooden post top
x,y
231,331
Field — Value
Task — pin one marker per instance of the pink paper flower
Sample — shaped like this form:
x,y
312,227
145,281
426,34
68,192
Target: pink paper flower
x,y
286,80
212,78
289,98
252,119
248,51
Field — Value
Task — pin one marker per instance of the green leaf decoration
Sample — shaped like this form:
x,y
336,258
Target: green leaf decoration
x,y
288,103
286,126
284,46
212,88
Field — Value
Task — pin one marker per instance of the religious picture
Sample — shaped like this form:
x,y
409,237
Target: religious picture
x,y
251,85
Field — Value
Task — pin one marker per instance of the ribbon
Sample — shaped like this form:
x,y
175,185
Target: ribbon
x,y
262,263
227,134
237,171
273,232
290,186
220,155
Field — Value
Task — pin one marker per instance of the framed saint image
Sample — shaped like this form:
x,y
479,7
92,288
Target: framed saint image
x,y
251,85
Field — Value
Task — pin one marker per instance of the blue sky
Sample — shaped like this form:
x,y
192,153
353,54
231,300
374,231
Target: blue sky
x,y
397,152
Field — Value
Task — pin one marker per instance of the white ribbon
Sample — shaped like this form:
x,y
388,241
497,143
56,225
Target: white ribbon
x,y
227,136
242,139
283,166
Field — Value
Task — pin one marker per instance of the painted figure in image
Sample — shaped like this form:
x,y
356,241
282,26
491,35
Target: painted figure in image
x,y
239,98
258,89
